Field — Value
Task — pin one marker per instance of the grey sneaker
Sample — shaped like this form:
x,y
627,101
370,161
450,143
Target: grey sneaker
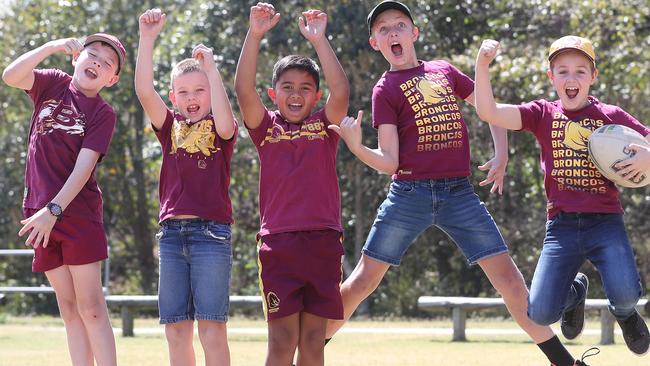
x,y
635,333
573,321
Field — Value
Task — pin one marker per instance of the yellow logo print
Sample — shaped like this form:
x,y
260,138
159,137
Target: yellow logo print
x,y
432,92
195,138
273,302
576,136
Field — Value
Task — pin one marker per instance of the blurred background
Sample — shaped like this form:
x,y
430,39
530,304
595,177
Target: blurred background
x,y
450,30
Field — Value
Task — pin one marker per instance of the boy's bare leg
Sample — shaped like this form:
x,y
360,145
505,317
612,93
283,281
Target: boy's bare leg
x,y
283,340
508,281
179,339
94,313
78,344
312,340
357,287
214,339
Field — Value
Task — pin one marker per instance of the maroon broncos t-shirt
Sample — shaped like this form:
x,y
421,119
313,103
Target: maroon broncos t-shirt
x,y
195,172
64,121
423,103
299,187
571,180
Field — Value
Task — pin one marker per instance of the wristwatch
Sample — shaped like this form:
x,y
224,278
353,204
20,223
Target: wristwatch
x,y
55,210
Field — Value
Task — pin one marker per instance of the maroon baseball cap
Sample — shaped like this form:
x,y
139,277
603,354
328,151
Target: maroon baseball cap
x,y
112,41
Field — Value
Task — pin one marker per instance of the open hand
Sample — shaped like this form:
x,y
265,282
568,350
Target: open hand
x,y
151,22
263,17
496,168
632,168
350,131
312,25
39,226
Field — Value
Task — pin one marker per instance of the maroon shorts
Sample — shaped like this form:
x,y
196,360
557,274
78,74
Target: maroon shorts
x,y
301,271
73,241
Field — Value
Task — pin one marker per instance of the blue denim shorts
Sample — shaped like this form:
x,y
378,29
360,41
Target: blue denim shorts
x,y
450,204
194,266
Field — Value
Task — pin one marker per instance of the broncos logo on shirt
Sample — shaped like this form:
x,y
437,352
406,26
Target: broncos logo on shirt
x,y
198,137
55,116
432,92
576,137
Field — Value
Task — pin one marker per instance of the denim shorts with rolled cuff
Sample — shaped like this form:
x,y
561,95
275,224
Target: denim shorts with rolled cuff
x,y
195,259
450,204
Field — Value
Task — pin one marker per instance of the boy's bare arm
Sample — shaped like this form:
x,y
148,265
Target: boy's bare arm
x,y
312,27
263,17
41,223
221,110
20,73
385,157
502,115
151,23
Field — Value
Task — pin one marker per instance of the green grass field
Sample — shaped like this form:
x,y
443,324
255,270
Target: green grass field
x,y
41,341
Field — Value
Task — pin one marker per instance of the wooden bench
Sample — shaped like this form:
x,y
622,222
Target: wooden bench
x,y
461,305
129,303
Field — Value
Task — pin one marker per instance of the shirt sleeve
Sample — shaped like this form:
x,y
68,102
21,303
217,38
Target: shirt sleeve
x,y
626,119
45,79
463,84
383,112
531,115
258,134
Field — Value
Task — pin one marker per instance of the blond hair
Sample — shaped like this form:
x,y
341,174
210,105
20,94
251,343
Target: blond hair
x,y
184,67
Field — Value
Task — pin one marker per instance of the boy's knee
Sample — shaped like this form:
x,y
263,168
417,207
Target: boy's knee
x,y
68,310
212,332
364,283
281,342
542,316
91,310
178,332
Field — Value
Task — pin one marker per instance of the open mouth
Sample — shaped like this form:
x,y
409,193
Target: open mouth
x,y
295,107
91,73
396,48
572,92
193,108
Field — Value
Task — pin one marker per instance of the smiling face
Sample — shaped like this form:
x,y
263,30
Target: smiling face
x,y
95,68
572,74
393,34
190,95
295,94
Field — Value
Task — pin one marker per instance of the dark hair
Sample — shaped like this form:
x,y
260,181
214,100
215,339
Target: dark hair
x,y
296,62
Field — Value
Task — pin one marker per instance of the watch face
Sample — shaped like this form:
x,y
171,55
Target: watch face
x,y
54,209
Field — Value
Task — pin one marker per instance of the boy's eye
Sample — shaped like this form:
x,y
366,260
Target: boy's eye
x,y
401,25
382,29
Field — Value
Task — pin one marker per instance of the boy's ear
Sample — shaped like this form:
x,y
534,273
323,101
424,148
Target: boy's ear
x,y
114,79
172,97
415,33
319,95
373,43
594,77
549,73
271,93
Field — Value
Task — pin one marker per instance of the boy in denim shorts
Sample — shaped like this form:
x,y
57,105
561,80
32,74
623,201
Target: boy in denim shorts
x,y
195,210
423,143
70,132
299,242
585,217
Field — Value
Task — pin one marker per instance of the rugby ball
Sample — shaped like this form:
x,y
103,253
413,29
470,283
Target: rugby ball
x,y
608,145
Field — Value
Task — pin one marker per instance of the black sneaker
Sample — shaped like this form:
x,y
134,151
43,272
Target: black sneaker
x,y
635,333
573,321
